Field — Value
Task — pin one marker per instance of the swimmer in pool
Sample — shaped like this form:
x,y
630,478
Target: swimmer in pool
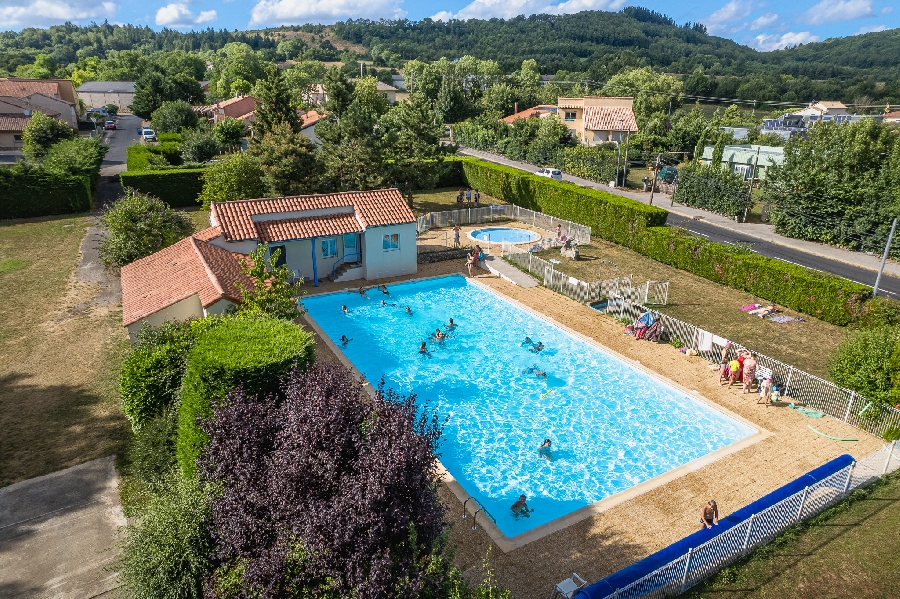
x,y
383,303
362,292
344,340
528,341
384,290
541,374
408,310
451,325
520,508
545,450
423,349
438,335
345,309
538,347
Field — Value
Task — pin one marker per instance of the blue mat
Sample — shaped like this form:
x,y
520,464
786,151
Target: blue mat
x,y
636,571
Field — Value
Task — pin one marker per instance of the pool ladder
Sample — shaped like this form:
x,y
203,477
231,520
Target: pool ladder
x,y
481,508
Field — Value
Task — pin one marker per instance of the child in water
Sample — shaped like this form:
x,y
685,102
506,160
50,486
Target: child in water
x,y
345,341
520,508
545,450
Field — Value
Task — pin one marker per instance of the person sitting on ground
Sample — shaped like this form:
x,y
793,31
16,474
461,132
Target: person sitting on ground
x,y
345,309
451,324
520,508
709,514
344,340
749,375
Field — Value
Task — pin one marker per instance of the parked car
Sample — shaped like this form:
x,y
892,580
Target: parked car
x,y
148,135
667,174
109,125
553,173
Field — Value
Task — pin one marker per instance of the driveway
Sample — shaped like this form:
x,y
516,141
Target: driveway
x,y
58,533
118,141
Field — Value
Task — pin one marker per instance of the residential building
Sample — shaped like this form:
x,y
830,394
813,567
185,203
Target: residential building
x,y
749,160
541,111
891,117
388,91
799,124
26,106
11,127
17,87
317,96
96,94
238,107
594,119
823,108
343,236
308,126
399,82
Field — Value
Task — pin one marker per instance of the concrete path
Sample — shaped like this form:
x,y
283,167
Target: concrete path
x,y
505,270
58,533
857,266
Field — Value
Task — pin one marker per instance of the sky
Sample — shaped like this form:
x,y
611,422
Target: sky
x,y
761,24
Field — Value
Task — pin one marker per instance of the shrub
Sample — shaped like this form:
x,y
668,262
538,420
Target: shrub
x,y
165,552
27,191
591,162
862,363
168,137
151,374
714,189
252,353
138,225
176,187
149,461
229,131
172,117
142,156
324,491
878,312
198,145
235,177
78,157
42,132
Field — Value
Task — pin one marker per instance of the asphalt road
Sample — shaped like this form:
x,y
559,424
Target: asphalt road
x,y
889,286
125,135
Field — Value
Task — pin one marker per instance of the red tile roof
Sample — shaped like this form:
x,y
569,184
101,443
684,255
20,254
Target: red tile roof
x,y
605,118
531,112
310,118
307,226
208,234
21,88
372,208
13,122
189,267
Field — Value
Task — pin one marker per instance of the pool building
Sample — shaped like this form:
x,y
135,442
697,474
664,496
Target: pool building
x,y
340,236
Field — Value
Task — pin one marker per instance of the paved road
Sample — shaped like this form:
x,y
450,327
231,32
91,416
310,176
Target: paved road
x,y
890,285
125,135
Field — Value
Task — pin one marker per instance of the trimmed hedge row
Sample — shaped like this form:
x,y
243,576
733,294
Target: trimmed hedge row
x,y
176,187
139,155
609,216
641,228
30,192
252,353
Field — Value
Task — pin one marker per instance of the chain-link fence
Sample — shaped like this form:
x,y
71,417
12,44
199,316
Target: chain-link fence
x,y
760,528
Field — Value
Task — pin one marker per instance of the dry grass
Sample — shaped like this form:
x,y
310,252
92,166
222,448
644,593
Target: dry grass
x,y
806,345
439,200
199,217
60,355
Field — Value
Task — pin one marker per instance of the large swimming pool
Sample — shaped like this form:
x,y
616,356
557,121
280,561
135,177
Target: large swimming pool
x,y
612,425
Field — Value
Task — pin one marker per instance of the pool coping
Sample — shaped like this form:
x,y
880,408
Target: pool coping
x,y
506,543
540,237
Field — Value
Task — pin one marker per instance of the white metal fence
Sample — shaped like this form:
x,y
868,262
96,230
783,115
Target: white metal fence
x,y
706,559
490,213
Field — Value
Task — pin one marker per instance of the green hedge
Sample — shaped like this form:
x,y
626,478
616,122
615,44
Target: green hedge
x,y
641,228
714,189
175,187
27,192
140,155
253,353
609,216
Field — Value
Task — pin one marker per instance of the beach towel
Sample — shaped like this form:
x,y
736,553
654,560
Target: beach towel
x,y
646,318
782,319
750,307
720,341
704,340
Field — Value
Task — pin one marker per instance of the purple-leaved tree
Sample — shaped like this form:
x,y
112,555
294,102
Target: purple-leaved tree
x,y
323,491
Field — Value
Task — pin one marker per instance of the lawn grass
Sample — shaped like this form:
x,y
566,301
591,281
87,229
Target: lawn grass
x,y
60,355
713,307
848,551
440,200
199,217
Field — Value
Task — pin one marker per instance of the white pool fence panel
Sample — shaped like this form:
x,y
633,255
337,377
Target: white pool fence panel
x,y
490,213
762,527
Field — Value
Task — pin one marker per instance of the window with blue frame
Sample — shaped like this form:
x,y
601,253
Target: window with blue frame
x,y
390,242
329,248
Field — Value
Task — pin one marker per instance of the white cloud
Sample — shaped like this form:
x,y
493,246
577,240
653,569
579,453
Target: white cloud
x,y
42,13
284,12
724,21
178,15
767,43
831,11
870,29
763,21
887,10
507,9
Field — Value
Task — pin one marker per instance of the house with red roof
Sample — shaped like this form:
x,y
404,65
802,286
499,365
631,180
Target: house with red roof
x,y
538,112
594,119
340,236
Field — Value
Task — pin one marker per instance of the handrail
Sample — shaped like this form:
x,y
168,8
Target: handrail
x,y
334,266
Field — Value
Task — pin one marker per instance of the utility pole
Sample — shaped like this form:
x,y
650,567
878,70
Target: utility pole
x,y
625,163
887,248
653,178
619,151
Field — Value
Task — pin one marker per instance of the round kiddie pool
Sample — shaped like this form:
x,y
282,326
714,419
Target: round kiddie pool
x,y
501,234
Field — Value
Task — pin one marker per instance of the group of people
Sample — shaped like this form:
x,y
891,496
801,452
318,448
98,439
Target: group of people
x,y
465,194
473,258
740,368
438,336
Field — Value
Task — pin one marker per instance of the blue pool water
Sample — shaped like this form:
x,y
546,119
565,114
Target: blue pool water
x,y
498,234
612,425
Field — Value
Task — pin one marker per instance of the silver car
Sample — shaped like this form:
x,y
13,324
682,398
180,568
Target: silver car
x,y
553,173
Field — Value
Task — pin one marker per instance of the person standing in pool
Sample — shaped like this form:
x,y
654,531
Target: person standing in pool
x,y
438,335
423,349
520,508
345,309
408,310
545,450
451,324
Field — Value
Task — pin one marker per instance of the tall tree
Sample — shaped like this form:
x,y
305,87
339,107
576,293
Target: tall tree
x,y
276,104
653,92
414,141
236,177
289,161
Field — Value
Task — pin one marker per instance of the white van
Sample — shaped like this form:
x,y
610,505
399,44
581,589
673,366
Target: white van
x,y
553,173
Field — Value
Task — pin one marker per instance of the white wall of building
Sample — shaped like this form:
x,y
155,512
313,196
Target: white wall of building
x,y
378,262
190,307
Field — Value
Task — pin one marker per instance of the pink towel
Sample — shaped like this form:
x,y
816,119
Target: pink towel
x,y
750,307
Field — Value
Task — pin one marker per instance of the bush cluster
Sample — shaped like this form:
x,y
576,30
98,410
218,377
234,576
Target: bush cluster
x,y
712,188
142,157
28,191
641,228
176,187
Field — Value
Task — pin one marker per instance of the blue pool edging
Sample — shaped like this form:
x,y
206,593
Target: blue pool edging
x,y
636,571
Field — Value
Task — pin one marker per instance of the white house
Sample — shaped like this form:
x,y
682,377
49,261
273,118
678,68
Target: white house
x,y
823,108
341,236
101,93
594,119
